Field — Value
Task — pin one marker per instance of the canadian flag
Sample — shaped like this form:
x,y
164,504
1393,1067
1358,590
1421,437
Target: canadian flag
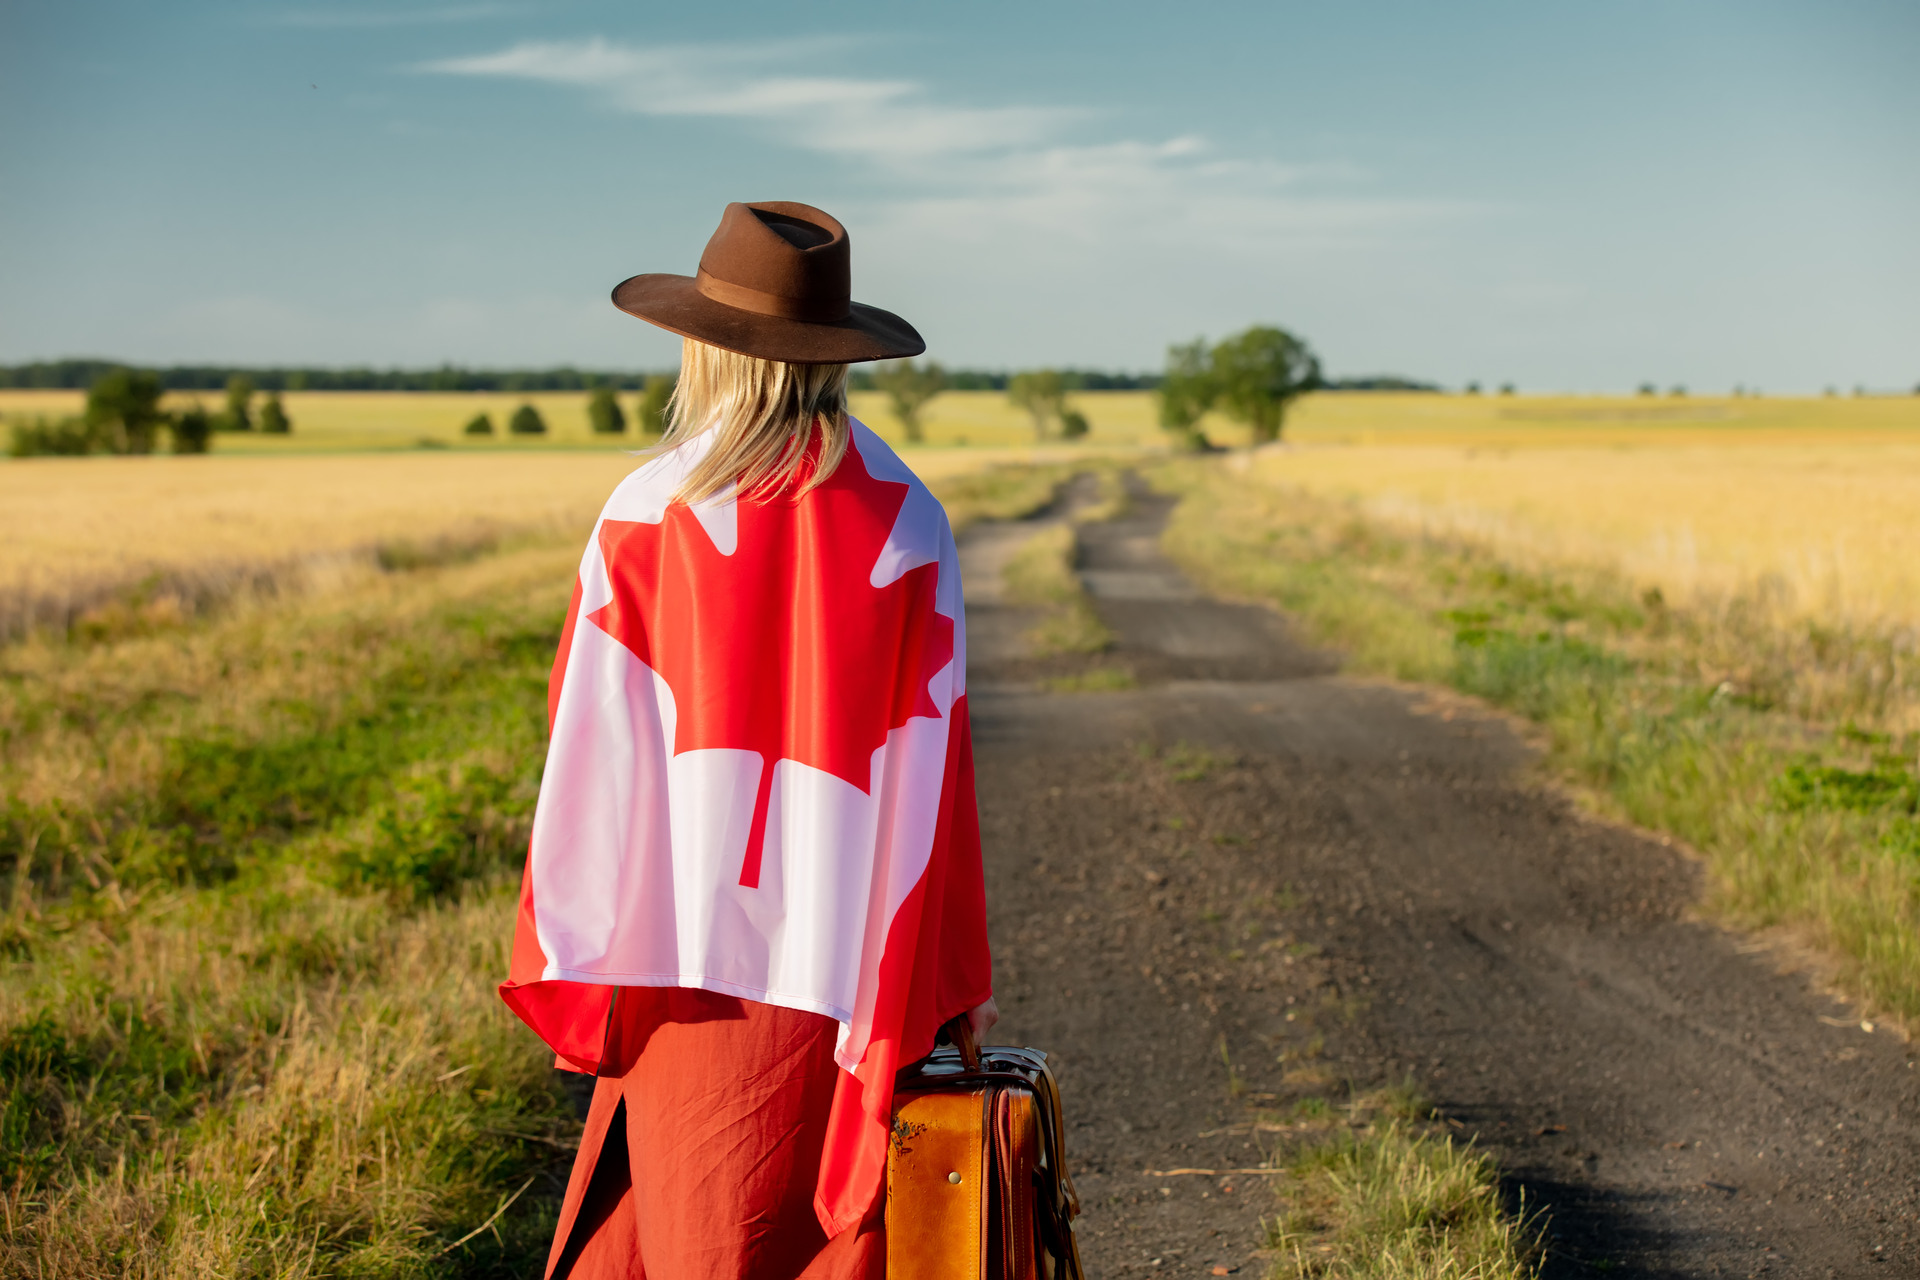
x,y
760,780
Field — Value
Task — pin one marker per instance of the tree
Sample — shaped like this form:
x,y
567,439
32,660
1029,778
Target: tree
x,y
1187,391
123,410
908,389
526,421
1042,393
192,430
273,416
652,413
1258,374
479,425
39,438
1073,424
239,403
603,412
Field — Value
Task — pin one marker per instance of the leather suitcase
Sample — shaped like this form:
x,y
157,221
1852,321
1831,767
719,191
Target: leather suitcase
x,y
977,1183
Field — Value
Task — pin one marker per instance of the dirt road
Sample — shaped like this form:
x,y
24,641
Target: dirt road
x,y
1332,886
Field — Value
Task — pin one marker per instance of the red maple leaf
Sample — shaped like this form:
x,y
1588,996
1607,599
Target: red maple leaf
x,y
785,647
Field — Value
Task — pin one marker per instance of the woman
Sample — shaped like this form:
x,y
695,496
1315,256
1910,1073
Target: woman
x,y
753,890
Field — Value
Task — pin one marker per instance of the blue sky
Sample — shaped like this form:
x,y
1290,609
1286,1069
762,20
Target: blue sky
x,y
1568,196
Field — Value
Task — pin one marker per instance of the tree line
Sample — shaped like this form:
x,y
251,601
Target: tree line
x,y
123,415
81,374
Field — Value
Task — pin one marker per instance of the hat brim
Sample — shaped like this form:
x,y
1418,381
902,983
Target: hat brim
x,y
675,304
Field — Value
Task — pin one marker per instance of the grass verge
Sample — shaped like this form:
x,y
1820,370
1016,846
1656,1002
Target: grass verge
x,y
1764,743
999,493
259,875
1392,1202
1043,575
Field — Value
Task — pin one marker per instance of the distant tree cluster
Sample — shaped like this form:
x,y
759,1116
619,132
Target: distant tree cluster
x,y
868,379
1252,377
654,399
1042,393
1378,382
77,374
83,373
909,387
239,414
526,421
123,415
604,415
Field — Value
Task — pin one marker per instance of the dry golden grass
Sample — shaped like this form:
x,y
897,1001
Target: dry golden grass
x,y
77,531
1117,419
1551,422
1811,505
68,520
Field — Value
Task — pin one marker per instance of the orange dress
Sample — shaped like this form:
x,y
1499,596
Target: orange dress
x,y
702,1148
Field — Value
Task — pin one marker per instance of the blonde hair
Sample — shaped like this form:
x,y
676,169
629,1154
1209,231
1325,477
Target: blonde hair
x,y
764,415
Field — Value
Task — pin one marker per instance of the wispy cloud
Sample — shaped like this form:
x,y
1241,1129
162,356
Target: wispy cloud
x,y
882,120
973,170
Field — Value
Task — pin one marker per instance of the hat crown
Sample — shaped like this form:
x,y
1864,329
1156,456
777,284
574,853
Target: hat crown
x,y
775,283
779,258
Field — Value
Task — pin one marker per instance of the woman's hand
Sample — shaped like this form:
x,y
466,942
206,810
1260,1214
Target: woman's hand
x,y
981,1018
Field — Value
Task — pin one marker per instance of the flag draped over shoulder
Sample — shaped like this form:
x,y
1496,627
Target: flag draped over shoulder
x,y
760,780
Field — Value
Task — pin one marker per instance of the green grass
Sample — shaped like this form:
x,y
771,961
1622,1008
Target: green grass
x,y
1097,679
1753,740
1390,1202
1370,1189
260,877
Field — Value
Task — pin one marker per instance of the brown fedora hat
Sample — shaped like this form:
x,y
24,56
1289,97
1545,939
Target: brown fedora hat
x,y
775,282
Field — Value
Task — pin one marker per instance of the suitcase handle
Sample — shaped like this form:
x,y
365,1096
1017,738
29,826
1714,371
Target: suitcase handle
x,y
959,1033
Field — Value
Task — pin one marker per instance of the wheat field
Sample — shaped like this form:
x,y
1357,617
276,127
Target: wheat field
x,y
1812,506
73,530
367,420
1811,503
